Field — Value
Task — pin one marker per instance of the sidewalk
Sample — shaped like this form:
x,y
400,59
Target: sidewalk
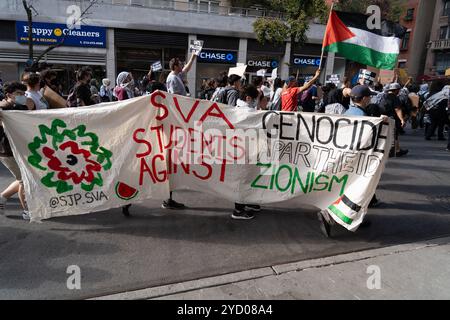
x,y
410,271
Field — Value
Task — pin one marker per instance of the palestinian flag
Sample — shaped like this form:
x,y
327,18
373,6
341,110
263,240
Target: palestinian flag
x,y
348,35
344,209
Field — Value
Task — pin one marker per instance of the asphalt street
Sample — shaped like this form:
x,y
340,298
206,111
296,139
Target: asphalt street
x,y
157,247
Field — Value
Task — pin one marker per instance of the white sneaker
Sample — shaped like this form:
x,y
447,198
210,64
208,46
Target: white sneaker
x,y
26,215
2,205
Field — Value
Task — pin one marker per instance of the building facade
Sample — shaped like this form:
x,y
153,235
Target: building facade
x,y
438,55
137,33
408,20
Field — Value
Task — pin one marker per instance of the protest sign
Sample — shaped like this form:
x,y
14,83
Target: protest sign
x,y
387,76
274,74
403,76
367,76
82,160
334,78
196,47
157,66
261,73
239,70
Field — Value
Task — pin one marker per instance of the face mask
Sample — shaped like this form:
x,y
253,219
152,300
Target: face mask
x,y
22,100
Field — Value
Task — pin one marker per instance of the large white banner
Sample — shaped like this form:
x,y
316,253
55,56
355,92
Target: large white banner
x,y
82,160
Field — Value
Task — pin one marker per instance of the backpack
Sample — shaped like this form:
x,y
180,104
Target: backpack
x,y
72,100
223,95
306,97
406,103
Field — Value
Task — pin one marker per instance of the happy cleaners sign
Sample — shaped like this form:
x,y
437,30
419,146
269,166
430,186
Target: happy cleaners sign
x,y
52,33
81,160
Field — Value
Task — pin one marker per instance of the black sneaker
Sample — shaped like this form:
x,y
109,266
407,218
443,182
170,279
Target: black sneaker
x,y
126,210
325,227
242,215
365,224
374,204
172,205
252,208
402,153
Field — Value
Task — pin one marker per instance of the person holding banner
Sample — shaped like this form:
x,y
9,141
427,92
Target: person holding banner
x,y
360,99
248,101
175,85
291,92
15,100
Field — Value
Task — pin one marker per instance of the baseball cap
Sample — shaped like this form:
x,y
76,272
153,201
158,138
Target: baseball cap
x,y
290,79
361,92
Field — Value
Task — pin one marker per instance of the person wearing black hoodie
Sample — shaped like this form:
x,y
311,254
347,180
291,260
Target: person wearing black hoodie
x,y
15,99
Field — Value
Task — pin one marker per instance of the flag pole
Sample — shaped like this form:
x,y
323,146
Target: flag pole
x,y
323,48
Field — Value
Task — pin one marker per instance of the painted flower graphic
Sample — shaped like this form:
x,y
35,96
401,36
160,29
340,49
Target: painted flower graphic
x,y
70,157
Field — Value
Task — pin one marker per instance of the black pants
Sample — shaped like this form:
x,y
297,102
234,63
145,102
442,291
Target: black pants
x,y
438,120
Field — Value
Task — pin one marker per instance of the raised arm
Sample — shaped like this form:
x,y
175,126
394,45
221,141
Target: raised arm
x,y
188,66
307,85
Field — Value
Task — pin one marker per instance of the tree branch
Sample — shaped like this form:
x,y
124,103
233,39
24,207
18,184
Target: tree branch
x,y
30,29
57,45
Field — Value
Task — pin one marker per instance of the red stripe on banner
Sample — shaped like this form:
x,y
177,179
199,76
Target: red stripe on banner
x,y
336,31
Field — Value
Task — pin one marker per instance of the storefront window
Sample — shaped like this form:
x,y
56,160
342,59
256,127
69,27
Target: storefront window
x,y
137,60
442,62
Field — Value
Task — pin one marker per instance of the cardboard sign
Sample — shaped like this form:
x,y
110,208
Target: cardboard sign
x,y
447,72
387,76
157,66
403,76
196,47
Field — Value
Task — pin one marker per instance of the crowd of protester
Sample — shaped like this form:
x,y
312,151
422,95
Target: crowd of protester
x,y
425,106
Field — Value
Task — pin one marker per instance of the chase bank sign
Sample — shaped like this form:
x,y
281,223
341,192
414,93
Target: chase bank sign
x,y
263,64
217,56
307,61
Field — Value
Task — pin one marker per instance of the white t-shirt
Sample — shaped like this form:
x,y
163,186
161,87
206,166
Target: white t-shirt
x,y
38,99
175,84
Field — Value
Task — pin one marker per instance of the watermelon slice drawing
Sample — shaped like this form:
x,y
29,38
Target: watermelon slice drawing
x,y
125,192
